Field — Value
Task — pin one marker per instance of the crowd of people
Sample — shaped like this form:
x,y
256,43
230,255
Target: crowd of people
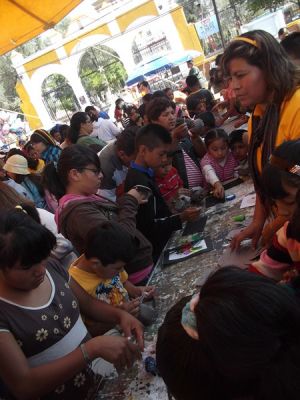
x,y
87,208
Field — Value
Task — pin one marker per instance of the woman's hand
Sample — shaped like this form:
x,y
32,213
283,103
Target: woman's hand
x,y
179,132
253,231
132,327
117,350
218,190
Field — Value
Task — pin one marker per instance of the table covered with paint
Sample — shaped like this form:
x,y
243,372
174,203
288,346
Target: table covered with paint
x,y
174,282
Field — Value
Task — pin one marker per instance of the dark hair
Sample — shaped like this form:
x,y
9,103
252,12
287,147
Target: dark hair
x,y
23,240
236,136
248,343
126,140
110,243
156,107
143,83
32,163
192,81
54,129
218,59
193,101
128,109
14,151
159,94
167,89
152,136
291,44
273,188
215,134
63,130
118,102
208,119
76,120
147,97
75,156
89,108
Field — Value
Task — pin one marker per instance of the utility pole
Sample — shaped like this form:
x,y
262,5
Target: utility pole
x,y
219,23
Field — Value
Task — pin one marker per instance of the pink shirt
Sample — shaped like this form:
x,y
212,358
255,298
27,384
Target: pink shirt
x,y
224,170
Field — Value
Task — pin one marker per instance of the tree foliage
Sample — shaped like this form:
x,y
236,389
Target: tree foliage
x,y
58,94
8,95
255,6
100,68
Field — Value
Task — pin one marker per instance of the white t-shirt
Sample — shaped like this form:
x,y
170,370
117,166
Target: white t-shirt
x,y
105,129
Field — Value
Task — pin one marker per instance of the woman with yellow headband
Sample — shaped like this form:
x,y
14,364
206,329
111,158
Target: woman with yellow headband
x,y
268,83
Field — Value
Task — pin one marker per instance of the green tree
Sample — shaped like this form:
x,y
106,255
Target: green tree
x,y
100,68
63,26
9,98
195,10
59,95
254,6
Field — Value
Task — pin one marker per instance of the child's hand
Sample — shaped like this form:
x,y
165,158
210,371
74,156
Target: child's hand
x,y
190,214
140,290
218,190
132,307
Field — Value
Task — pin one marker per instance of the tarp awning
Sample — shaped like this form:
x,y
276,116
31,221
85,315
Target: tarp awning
x,y
22,20
160,64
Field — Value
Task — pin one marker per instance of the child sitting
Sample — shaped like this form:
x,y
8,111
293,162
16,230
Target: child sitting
x,y
218,165
283,253
154,219
169,182
100,270
239,150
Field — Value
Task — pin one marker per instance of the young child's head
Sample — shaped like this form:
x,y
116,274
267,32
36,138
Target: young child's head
x,y
152,145
164,169
241,341
281,177
108,248
217,143
237,145
196,104
291,45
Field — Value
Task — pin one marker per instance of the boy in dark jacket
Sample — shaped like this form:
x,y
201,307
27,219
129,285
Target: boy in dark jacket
x,y
154,219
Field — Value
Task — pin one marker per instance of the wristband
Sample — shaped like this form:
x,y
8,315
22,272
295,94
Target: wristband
x,y
85,354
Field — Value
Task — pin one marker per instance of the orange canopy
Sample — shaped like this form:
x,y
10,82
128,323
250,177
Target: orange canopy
x,y
22,20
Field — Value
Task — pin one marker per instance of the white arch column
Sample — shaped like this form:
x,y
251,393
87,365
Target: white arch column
x,y
69,65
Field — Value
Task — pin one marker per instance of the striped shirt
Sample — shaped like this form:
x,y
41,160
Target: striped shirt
x,y
218,171
194,174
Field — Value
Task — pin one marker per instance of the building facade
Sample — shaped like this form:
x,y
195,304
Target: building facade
x,y
136,31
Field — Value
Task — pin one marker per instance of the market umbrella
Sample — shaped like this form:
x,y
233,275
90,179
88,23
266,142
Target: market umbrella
x,y
160,64
22,20
151,68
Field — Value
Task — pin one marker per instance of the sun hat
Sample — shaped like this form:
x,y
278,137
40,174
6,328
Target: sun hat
x,y
17,164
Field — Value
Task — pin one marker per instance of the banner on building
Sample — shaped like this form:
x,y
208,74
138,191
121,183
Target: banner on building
x,y
207,27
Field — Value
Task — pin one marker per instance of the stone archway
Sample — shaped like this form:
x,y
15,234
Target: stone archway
x,y
102,74
59,98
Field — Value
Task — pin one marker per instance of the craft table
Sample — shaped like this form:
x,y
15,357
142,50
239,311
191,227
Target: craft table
x,y
174,282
